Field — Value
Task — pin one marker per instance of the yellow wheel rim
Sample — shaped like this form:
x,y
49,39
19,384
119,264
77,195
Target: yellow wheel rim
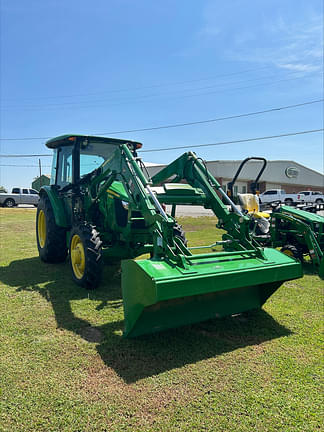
x,y
77,256
288,252
41,230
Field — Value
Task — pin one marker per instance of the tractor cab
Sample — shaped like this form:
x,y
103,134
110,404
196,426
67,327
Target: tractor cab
x,y
78,155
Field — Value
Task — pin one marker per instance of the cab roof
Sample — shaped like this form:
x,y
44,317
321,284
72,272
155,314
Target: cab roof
x,y
64,140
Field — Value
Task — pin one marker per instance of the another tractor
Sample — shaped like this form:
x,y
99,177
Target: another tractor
x,y
297,232
102,206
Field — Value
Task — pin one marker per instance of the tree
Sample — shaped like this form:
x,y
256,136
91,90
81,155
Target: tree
x,y
3,189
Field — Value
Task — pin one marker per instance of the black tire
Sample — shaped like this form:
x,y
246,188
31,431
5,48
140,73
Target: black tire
x,y
319,201
292,251
10,202
288,201
179,232
53,249
90,276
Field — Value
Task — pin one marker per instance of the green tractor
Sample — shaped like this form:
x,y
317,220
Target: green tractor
x,y
297,232
102,206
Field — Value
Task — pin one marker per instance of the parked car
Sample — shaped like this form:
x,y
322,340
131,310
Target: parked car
x,y
19,196
279,195
312,197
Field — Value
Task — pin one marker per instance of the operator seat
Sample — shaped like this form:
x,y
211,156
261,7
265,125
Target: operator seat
x,y
250,203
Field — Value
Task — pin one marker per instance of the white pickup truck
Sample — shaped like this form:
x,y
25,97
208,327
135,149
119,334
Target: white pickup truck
x,y
272,195
311,197
19,196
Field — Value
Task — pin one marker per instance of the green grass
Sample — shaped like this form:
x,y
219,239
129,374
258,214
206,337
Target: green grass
x,y
65,367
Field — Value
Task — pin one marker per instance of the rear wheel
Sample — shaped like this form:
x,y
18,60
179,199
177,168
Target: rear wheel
x,y
86,256
292,251
51,239
9,203
319,201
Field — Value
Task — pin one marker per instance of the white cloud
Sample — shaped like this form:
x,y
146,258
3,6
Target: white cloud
x,y
290,46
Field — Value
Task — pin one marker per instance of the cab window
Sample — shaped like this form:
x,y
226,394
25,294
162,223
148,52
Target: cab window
x,y
64,167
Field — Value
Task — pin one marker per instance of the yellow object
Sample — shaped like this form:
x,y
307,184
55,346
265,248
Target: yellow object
x,y
113,193
77,256
250,203
41,228
288,252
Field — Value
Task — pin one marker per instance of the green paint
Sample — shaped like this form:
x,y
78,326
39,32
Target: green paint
x,y
158,296
57,205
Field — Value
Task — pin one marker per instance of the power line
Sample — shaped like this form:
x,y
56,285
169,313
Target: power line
x,y
204,145
178,124
82,104
143,87
24,155
24,166
213,120
235,141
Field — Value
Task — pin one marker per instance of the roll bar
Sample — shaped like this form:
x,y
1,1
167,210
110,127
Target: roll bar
x,y
253,184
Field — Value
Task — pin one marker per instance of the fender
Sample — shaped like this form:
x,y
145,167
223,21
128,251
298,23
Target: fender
x,y
57,205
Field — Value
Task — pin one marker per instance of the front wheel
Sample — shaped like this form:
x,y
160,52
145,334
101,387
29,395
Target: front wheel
x,y
9,203
292,251
319,201
86,256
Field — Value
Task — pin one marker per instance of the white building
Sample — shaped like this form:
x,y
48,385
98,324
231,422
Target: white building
x,y
279,174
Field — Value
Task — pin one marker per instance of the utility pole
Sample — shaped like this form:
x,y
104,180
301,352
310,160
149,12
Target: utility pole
x,y
40,173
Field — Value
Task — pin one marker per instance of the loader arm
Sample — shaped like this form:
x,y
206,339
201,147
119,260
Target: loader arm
x,y
124,167
193,169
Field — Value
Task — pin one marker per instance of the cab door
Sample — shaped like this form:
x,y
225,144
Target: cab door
x,y
63,177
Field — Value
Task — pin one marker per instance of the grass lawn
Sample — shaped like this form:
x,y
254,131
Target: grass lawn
x,y
65,367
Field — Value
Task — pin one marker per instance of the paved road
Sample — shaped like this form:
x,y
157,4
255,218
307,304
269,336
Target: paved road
x,y
182,210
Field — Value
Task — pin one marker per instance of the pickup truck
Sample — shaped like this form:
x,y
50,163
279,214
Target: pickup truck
x,y
311,197
19,196
280,195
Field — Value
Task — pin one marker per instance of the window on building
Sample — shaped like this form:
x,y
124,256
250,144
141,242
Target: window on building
x,y
244,189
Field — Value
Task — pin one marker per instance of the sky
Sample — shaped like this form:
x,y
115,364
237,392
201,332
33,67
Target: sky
x,y
117,65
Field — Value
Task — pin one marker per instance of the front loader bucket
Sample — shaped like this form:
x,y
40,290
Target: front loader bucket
x,y
158,296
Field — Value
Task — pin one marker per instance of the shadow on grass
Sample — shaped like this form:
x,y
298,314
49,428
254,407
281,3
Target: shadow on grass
x,y
133,359
309,268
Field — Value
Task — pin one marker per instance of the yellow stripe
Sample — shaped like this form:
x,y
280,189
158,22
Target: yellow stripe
x,y
113,193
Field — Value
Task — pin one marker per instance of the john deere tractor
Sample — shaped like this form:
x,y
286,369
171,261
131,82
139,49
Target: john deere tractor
x,y
299,233
103,206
